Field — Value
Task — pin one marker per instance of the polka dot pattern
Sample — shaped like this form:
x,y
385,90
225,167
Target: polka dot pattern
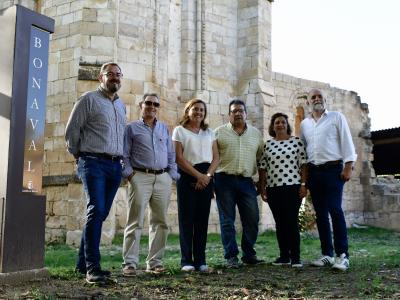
x,y
282,160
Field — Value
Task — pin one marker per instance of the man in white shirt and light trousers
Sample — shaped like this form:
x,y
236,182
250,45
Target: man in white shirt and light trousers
x,y
331,156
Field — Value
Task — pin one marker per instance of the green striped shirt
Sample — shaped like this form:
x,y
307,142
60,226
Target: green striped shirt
x,y
238,153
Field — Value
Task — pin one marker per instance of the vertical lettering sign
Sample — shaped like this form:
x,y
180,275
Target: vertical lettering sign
x,y
36,111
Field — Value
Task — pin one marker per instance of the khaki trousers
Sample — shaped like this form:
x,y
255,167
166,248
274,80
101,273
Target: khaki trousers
x,y
155,191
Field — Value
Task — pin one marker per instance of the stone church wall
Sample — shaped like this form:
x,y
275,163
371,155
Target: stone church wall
x,y
214,50
177,49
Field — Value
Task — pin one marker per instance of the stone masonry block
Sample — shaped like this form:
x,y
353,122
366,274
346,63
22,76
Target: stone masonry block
x,y
103,45
67,168
137,87
63,70
56,221
58,44
51,12
90,28
68,19
89,14
60,32
73,238
77,5
105,16
54,234
63,9
109,30
75,191
97,3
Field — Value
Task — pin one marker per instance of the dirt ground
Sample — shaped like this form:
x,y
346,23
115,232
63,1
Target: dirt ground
x,y
248,282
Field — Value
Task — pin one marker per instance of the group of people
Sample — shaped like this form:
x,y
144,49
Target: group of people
x,y
203,162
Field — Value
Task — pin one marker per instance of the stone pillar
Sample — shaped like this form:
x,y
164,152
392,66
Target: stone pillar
x,y
254,57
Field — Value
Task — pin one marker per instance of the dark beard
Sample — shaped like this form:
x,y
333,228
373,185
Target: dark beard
x,y
113,87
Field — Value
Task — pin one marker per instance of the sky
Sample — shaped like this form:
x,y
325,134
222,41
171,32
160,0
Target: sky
x,y
350,44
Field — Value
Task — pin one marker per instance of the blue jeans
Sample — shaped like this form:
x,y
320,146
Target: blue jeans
x,y
193,212
231,191
326,188
100,178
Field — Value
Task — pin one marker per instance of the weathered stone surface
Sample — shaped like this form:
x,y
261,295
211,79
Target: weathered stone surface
x,y
74,238
89,72
163,49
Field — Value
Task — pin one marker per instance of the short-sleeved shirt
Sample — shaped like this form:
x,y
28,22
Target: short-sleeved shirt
x,y
197,147
282,160
238,153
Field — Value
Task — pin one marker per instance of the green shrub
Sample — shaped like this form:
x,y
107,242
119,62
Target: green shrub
x,y
307,220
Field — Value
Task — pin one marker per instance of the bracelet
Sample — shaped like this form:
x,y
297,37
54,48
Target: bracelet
x,y
209,175
303,184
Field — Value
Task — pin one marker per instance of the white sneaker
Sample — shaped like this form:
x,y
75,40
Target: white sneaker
x,y
297,264
203,268
342,262
324,260
187,268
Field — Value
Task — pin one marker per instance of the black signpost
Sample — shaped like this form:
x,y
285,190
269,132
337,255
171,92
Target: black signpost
x,y
24,46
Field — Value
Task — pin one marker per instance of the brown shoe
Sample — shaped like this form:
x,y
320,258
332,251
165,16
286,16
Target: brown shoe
x,y
129,271
156,270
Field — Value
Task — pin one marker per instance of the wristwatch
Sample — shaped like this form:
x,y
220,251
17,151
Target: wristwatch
x,y
209,175
303,184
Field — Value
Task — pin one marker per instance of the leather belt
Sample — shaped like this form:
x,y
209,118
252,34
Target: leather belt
x,y
326,164
233,175
113,158
151,171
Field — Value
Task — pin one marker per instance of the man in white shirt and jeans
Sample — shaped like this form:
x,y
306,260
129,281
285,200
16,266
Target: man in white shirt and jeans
x,y
331,155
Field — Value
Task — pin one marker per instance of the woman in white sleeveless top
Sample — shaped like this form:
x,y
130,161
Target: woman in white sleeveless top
x,y
197,158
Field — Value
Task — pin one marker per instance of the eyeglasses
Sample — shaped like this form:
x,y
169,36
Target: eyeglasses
x,y
111,74
151,103
240,111
313,97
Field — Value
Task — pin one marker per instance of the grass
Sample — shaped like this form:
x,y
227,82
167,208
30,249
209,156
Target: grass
x,y
374,273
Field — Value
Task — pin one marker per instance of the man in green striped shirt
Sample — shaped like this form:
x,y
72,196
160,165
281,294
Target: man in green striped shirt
x,y
240,146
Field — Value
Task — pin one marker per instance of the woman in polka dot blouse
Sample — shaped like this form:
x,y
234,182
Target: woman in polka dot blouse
x,y
284,161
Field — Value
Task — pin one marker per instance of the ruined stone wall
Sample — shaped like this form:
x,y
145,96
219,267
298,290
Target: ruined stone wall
x,y
382,209
290,95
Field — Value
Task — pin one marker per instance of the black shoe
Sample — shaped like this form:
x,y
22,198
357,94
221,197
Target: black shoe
x,y
105,273
281,262
95,276
252,260
232,263
297,263
79,271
